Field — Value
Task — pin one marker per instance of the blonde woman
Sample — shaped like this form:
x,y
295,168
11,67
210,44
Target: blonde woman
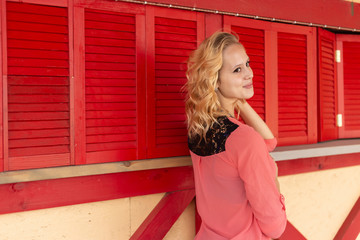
x,y
237,192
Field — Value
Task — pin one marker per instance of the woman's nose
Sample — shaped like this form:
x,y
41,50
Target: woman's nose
x,y
249,73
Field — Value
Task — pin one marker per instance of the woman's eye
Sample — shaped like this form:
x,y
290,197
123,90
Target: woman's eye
x,y
248,63
237,70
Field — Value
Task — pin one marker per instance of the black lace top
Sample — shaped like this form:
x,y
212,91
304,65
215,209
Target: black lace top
x,y
215,138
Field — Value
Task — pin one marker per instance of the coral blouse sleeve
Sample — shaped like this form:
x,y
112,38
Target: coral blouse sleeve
x,y
270,144
258,172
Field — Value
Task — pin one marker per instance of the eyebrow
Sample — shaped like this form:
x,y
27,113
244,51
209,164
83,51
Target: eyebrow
x,y
237,65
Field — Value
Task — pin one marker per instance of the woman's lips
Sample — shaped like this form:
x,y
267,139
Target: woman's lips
x,y
248,86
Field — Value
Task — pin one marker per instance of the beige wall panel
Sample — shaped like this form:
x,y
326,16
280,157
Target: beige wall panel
x,y
92,221
140,207
317,203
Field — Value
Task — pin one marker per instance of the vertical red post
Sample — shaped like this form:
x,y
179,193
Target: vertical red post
x,y
4,164
71,80
141,78
312,85
79,85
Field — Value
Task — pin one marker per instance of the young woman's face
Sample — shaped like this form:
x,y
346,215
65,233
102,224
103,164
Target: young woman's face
x,y
235,77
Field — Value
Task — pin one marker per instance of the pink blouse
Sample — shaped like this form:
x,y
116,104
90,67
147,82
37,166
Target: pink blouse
x,y
236,193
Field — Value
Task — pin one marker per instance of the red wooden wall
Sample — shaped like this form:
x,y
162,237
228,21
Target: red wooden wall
x,y
90,82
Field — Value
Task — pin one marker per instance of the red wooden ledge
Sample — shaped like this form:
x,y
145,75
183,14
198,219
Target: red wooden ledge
x,y
164,215
304,165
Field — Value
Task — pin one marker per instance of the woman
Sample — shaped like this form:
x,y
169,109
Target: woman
x,y
237,192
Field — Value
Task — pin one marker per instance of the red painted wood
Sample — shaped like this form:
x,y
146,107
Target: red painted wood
x,y
4,162
68,191
271,85
79,87
54,159
72,81
104,5
291,49
350,227
141,86
2,58
348,78
289,103
291,233
296,166
60,3
171,36
164,215
327,86
305,11
213,23
109,141
31,95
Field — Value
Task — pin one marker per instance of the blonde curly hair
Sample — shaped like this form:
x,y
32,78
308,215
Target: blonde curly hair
x,y
202,105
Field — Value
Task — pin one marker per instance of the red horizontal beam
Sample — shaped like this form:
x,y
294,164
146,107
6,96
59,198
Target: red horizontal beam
x,y
303,165
68,191
164,215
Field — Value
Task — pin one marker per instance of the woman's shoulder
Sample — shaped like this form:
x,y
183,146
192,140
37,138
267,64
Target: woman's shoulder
x,y
244,134
216,138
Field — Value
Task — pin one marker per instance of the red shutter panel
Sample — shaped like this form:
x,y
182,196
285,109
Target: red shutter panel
x,y
38,84
292,86
327,86
110,77
254,43
175,36
351,58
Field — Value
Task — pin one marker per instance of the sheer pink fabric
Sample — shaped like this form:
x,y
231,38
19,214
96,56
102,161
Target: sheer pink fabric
x,y
236,192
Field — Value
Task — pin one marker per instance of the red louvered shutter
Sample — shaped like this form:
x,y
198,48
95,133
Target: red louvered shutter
x,y
292,86
175,35
284,76
351,85
349,82
327,86
254,43
110,77
38,85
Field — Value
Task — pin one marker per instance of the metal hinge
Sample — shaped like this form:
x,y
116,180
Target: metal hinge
x,y
339,122
337,56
